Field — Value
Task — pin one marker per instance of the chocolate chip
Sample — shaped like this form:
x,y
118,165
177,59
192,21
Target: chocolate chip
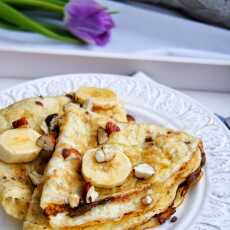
x,y
39,103
187,142
70,96
174,219
148,139
130,118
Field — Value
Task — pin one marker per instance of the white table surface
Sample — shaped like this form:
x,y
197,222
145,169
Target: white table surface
x,y
214,101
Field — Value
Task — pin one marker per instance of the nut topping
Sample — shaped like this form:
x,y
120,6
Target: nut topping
x,y
92,195
147,200
71,154
100,156
74,200
106,153
20,123
102,136
143,171
111,128
47,142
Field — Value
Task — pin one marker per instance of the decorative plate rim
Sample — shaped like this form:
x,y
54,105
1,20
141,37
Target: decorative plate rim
x,y
190,114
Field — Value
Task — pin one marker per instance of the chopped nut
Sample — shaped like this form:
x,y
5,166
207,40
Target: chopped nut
x,y
102,136
143,171
130,118
47,142
106,153
92,195
147,200
111,128
71,154
54,209
74,200
100,156
20,123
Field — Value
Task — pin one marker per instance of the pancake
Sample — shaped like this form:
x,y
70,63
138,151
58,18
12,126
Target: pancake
x,y
37,220
166,150
16,187
78,131
105,172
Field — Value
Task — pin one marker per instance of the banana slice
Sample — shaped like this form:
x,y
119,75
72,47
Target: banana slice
x,y
107,174
19,145
99,97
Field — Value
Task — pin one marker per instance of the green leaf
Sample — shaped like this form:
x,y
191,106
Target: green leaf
x,y
38,4
13,16
57,2
9,26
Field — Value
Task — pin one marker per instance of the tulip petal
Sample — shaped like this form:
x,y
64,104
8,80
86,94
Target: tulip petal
x,y
89,21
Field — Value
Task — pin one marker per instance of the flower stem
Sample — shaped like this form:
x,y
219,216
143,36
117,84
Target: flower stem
x,y
38,4
56,28
9,26
13,16
57,2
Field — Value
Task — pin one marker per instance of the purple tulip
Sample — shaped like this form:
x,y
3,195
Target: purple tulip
x,y
89,21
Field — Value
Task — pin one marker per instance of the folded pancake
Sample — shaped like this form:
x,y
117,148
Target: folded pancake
x,y
167,151
97,146
78,132
34,111
150,218
16,187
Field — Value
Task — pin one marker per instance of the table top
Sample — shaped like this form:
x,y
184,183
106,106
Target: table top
x,y
215,101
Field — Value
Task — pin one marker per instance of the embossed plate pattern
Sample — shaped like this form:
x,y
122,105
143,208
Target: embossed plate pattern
x,y
208,205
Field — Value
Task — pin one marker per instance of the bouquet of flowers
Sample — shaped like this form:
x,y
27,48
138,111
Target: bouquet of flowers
x,y
74,21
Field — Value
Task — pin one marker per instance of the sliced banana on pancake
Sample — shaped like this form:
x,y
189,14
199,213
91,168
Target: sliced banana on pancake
x,y
106,174
99,97
19,145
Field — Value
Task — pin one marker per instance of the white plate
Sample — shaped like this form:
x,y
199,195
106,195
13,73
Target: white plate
x,y
208,204
138,31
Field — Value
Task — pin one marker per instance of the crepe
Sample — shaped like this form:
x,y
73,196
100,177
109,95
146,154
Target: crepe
x,y
78,131
16,187
169,155
99,147
37,220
